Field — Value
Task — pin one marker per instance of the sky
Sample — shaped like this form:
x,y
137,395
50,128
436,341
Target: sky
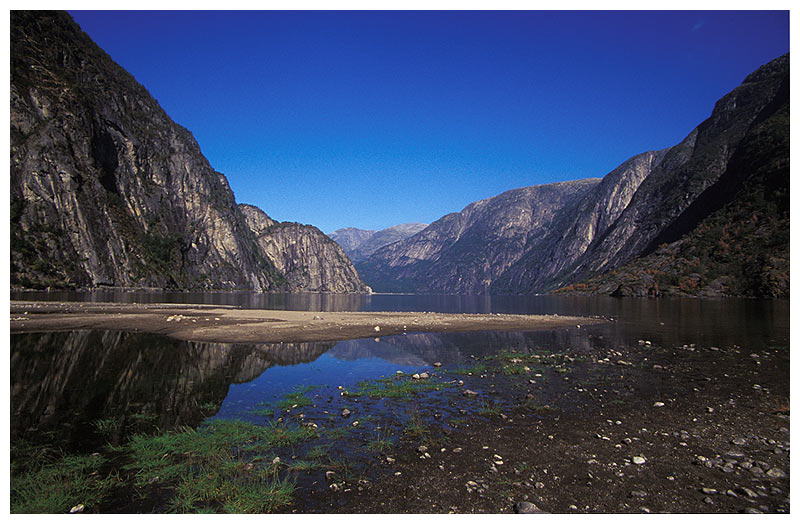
x,y
371,119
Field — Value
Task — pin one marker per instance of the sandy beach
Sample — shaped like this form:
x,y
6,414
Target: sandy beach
x,y
232,324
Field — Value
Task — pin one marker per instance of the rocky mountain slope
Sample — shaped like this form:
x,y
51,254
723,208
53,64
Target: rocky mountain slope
x,y
465,252
733,239
734,160
106,190
307,259
361,243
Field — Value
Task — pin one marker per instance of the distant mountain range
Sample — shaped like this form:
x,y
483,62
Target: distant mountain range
x,y
106,190
709,216
361,243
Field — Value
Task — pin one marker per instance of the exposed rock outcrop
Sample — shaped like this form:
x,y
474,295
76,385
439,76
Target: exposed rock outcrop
x,y
306,257
537,239
465,252
106,190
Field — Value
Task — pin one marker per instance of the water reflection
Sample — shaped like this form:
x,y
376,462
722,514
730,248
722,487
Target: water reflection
x,y
66,382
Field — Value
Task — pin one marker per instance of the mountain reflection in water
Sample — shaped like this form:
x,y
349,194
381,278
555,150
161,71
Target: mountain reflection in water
x,y
63,385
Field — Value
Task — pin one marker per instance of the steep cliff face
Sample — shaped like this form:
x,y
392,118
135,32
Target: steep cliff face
x,y
733,239
105,188
525,242
578,228
465,252
306,257
686,172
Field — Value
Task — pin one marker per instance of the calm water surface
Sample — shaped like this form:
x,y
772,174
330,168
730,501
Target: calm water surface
x,y
85,388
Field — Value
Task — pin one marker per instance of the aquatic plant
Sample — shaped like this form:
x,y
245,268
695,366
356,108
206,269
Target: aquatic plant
x,y
304,465
216,464
107,426
381,443
474,370
400,387
489,408
60,486
416,428
318,452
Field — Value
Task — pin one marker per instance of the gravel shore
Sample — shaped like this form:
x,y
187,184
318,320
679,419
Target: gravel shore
x,y
231,324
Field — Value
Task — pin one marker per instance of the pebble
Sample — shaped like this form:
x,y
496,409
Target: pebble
x,y
708,491
747,492
457,450
77,509
527,507
346,413
437,364
776,473
639,460
639,494
469,393
658,405
330,474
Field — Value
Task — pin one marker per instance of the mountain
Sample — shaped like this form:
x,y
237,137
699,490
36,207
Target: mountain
x,y
106,190
304,255
733,239
726,183
350,238
361,243
465,252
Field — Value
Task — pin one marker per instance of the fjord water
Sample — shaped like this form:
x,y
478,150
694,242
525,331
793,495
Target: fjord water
x,y
85,388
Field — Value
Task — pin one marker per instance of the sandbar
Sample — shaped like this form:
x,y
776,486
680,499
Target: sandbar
x,y
213,323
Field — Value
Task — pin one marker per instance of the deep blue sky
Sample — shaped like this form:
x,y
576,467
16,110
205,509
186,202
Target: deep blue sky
x,y
370,119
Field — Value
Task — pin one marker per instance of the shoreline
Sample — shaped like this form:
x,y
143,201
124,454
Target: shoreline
x,y
231,324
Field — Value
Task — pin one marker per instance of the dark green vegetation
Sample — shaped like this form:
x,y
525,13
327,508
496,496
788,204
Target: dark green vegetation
x,y
734,239
396,387
230,466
